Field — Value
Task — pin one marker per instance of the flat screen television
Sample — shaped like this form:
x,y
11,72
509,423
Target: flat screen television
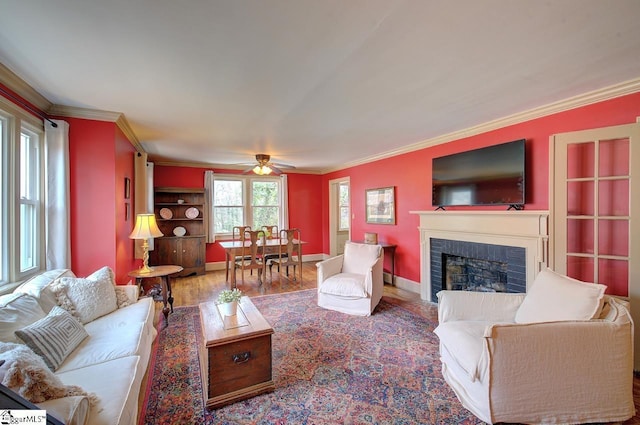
x,y
494,175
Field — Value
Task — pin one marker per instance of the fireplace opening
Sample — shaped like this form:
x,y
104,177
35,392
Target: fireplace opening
x,y
512,256
473,274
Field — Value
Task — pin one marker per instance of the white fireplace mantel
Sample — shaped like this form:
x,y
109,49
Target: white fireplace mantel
x,y
526,229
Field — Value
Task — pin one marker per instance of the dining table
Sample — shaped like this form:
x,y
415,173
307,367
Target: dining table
x,y
233,248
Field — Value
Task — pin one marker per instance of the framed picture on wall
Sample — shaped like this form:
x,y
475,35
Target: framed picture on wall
x,y
127,188
380,205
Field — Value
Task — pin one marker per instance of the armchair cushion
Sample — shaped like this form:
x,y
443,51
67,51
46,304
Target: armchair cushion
x,y
554,297
346,285
358,258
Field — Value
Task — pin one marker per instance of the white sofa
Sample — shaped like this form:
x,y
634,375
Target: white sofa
x,y
562,353
110,362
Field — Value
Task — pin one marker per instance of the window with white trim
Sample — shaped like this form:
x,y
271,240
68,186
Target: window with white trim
x,y
21,198
246,200
30,205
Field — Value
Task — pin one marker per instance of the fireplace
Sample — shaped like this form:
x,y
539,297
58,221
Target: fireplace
x,y
472,274
519,239
476,267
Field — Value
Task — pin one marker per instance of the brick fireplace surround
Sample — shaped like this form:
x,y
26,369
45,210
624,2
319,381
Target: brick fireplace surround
x,y
507,229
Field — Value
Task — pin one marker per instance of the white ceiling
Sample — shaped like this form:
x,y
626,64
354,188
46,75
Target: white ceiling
x,y
315,83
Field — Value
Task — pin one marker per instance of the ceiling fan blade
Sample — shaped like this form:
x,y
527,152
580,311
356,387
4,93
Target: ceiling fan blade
x,y
248,170
282,166
275,169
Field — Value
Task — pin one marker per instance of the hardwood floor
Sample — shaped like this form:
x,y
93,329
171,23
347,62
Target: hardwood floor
x,y
196,289
193,290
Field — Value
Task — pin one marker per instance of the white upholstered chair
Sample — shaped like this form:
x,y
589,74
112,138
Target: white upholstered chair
x,y
352,283
562,353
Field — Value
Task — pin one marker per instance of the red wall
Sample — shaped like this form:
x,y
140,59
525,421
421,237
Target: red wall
x,y
124,160
305,205
100,156
411,174
91,157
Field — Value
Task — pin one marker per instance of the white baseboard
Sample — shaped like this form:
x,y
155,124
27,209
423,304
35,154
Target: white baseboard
x,y
402,283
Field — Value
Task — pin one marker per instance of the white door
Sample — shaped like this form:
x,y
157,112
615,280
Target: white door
x,y
595,211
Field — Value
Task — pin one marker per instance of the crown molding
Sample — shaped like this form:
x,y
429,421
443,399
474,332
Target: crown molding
x,y
94,114
84,113
22,89
607,93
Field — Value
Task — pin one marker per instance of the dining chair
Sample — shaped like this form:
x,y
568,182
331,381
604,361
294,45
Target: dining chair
x,y
237,233
289,254
251,259
271,232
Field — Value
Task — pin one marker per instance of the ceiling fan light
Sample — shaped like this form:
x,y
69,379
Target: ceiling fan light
x,y
262,170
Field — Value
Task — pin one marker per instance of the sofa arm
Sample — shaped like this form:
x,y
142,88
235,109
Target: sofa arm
x,y
328,268
589,362
71,410
480,306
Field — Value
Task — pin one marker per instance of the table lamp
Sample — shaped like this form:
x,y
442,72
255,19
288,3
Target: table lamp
x,y
146,228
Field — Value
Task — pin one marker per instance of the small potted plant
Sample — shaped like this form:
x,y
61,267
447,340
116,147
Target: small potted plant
x,y
228,301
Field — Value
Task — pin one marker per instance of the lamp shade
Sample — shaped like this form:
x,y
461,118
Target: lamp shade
x,y
146,227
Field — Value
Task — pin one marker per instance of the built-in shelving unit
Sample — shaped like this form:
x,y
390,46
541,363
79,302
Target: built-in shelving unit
x,y
180,216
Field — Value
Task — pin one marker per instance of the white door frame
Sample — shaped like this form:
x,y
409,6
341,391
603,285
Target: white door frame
x,y
333,213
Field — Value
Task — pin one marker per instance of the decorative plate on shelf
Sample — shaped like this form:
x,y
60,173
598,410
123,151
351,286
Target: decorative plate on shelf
x,y
166,213
192,212
179,231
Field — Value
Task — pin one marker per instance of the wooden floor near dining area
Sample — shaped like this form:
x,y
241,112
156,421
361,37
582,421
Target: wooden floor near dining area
x,y
193,290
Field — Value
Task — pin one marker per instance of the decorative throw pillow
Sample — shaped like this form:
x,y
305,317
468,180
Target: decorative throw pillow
x,y
554,297
40,287
102,274
53,337
122,299
17,310
87,298
24,372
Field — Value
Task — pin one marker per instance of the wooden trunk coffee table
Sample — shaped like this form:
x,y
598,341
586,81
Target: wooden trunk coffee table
x,y
235,359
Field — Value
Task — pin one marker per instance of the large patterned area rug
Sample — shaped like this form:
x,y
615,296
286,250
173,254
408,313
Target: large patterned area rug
x,y
328,368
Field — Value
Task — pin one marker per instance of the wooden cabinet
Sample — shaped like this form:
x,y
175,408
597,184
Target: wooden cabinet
x,y
235,355
180,216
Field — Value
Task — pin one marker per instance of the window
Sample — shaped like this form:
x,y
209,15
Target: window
x,y
240,200
343,205
21,196
30,210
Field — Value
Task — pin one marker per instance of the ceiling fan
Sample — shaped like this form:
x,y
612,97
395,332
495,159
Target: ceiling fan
x,y
266,167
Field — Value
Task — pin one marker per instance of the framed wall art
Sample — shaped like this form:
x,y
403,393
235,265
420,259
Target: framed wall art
x,y
127,188
380,205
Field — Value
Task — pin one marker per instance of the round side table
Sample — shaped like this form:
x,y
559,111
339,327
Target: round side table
x,y
163,272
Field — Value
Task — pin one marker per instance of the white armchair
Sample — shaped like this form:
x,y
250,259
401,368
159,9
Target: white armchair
x,y
562,353
352,283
